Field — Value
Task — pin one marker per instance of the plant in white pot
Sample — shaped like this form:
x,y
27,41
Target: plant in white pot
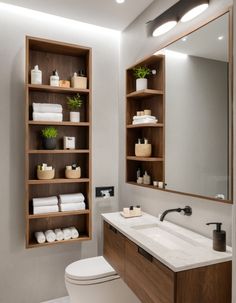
x,y
141,73
74,103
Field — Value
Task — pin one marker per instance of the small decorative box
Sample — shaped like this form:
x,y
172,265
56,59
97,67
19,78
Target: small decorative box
x,y
64,83
69,142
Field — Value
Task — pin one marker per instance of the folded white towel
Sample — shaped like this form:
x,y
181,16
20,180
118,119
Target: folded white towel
x,y
67,233
50,235
47,108
74,232
45,209
71,198
47,201
72,206
59,234
143,121
40,237
144,117
55,117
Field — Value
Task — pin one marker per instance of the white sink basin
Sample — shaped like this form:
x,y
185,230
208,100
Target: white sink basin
x,y
165,236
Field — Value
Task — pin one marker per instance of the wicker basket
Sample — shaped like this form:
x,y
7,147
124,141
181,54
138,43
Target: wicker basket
x,y
45,174
73,173
143,150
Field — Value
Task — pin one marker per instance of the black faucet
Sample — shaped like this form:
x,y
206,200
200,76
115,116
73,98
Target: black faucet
x,y
187,211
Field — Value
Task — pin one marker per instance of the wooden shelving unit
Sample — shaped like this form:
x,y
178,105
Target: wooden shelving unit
x,y
67,59
152,98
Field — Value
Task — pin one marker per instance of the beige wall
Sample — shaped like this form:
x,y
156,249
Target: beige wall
x,y
36,275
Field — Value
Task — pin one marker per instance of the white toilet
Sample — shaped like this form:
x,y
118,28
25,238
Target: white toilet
x,y
94,280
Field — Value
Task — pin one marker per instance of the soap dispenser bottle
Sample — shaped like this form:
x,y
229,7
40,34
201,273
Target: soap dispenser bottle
x,y
54,79
219,237
36,75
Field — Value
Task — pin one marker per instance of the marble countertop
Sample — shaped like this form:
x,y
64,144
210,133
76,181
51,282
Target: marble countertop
x,y
176,247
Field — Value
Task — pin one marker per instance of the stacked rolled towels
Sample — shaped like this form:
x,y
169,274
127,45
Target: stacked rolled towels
x,y
144,119
70,202
56,235
45,205
47,112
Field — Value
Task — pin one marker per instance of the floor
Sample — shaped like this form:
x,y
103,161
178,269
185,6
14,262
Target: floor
x,y
59,300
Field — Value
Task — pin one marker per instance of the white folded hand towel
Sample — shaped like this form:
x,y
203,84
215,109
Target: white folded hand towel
x,y
47,201
143,121
55,117
67,233
74,232
47,108
59,234
50,235
72,206
45,209
71,198
40,237
144,117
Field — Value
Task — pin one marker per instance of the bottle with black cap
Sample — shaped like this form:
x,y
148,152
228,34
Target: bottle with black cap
x,y
219,237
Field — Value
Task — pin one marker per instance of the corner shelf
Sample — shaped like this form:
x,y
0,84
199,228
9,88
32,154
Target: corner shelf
x,y
145,125
67,58
149,159
145,93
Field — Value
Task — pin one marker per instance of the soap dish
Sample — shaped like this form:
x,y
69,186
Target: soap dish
x,y
129,216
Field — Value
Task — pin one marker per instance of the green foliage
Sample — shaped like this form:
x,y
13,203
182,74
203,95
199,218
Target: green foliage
x,y
141,72
74,103
49,132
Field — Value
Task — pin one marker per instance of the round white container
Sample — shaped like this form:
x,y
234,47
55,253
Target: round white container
x,y
74,116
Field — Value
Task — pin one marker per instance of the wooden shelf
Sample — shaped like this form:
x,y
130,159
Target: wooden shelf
x,y
59,214
145,185
63,123
55,89
59,151
58,181
34,244
145,125
145,93
149,159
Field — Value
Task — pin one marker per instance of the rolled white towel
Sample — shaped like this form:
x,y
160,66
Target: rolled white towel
x,y
74,233
59,234
40,237
67,233
47,201
55,117
71,198
47,108
50,235
72,206
45,209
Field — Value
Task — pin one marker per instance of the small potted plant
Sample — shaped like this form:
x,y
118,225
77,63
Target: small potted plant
x,y
141,73
74,103
49,135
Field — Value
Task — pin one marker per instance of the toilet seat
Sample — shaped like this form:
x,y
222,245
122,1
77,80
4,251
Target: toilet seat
x,y
90,271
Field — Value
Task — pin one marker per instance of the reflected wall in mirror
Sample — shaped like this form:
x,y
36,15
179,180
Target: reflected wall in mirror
x,y
198,113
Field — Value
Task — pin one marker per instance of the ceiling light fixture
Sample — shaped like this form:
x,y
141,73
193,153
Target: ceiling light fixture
x,y
183,10
184,39
120,1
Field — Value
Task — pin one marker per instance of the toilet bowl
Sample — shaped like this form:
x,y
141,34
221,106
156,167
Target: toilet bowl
x,y
94,280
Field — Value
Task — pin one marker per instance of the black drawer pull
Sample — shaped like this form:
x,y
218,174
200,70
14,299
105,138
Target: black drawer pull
x,y
113,229
145,254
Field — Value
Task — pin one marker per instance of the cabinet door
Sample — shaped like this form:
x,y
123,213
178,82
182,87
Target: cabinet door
x,y
151,281
114,248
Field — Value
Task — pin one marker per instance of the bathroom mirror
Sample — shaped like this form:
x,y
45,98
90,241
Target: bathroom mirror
x,y
198,114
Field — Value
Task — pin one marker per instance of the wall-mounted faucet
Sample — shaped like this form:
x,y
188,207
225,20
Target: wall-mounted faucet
x,y
187,210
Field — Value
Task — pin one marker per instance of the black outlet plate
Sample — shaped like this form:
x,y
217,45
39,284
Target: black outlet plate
x,y
98,191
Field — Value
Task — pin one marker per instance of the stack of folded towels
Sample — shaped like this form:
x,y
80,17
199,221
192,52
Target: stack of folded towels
x,y
144,119
47,112
56,235
45,205
70,202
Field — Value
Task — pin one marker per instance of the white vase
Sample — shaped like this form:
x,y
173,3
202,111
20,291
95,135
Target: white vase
x,y
141,83
74,116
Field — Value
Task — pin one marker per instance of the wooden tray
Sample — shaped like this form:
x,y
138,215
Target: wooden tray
x,y
129,216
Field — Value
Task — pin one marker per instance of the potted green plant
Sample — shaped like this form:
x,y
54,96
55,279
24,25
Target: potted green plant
x,y
74,103
49,135
141,73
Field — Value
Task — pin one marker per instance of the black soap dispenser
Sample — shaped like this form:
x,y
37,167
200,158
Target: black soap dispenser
x,y
219,237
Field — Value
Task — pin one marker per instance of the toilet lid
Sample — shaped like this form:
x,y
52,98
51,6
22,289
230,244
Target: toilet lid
x,y
89,269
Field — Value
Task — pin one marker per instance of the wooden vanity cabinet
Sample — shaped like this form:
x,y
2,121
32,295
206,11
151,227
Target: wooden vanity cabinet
x,y
153,282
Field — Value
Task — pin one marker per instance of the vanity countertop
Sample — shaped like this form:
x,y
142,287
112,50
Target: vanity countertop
x,y
176,247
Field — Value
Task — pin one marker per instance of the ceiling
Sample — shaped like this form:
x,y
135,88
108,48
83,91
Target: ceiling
x,y
205,43
105,13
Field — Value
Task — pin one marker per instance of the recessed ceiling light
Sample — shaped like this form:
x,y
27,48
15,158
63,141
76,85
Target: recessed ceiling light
x,y
220,37
164,28
120,1
184,39
194,12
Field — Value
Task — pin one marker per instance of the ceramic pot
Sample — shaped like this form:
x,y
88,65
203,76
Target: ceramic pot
x,y
74,116
49,143
141,83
